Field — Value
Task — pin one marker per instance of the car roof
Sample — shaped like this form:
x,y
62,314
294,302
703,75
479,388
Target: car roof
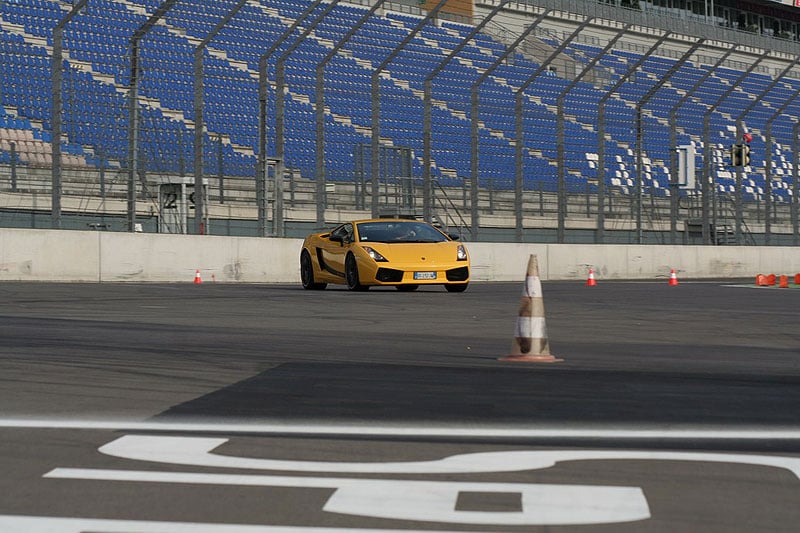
x,y
389,220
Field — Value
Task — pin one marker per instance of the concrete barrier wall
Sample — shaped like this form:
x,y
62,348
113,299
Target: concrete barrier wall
x,y
50,255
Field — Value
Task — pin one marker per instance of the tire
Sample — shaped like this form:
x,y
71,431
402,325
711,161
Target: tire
x,y
453,287
307,273
407,288
351,274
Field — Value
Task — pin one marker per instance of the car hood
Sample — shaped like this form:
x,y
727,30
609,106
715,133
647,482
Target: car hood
x,y
424,253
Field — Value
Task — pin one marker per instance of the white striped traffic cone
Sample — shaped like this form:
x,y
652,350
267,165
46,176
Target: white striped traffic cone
x,y
530,337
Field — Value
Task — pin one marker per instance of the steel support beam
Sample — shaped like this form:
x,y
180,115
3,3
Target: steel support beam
x,y
560,135
427,193
200,208
519,140
601,142
739,170
320,111
58,108
475,100
280,95
133,107
427,125
263,85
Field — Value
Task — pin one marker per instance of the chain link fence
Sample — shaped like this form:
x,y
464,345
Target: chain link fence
x,y
296,115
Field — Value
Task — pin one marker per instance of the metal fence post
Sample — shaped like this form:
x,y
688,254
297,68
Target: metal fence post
x,y
263,82
376,109
320,112
58,109
519,133
739,169
601,142
560,136
427,127
475,101
768,159
280,84
133,108
795,185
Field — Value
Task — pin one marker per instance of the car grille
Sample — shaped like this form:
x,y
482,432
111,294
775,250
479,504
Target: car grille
x,y
458,274
389,275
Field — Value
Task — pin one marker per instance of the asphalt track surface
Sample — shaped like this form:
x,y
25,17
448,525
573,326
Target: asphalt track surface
x,y
679,405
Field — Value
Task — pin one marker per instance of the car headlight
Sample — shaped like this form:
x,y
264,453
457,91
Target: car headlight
x,y
374,255
461,253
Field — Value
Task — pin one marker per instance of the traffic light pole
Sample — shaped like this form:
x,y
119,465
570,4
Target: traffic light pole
x,y
708,183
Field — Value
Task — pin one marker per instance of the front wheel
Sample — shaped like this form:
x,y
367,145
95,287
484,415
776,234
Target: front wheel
x,y
456,287
351,274
307,273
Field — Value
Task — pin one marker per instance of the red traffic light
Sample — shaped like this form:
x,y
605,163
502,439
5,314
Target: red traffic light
x,y
747,137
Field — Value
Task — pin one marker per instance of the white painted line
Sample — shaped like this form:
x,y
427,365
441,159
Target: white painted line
x,y
542,504
52,524
671,432
197,451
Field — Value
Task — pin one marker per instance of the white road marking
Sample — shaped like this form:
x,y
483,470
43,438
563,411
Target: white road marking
x,y
52,524
670,432
196,451
542,504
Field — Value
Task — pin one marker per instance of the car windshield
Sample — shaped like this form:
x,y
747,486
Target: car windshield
x,y
399,231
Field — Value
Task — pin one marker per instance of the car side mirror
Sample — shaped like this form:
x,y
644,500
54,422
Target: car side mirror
x,y
337,238
454,236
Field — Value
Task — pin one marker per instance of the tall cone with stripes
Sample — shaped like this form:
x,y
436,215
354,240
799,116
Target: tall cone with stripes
x,y
530,343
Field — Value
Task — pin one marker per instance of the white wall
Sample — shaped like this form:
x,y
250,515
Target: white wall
x,y
50,255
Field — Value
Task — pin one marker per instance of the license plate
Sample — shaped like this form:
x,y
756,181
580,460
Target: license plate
x,y
424,275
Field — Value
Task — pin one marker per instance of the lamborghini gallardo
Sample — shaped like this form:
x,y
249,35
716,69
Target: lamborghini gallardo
x,y
404,253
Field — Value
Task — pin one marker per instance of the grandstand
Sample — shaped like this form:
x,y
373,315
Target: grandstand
x,y
494,171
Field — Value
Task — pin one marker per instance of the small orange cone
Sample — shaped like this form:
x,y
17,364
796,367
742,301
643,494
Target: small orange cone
x,y
761,280
784,282
797,279
591,282
771,280
673,278
197,279
530,343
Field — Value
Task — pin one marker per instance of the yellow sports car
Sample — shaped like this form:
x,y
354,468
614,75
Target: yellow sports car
x,y
404,253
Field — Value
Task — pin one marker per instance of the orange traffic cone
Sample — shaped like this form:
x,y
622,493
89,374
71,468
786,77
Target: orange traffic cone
x,y
797,279
784,282
530,336
673,278
197,279
591,282
761,280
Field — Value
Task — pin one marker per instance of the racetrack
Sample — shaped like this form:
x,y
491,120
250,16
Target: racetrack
x,y
385,377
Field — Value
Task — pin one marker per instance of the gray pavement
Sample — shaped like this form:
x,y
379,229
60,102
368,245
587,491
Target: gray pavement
x,y
712,357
